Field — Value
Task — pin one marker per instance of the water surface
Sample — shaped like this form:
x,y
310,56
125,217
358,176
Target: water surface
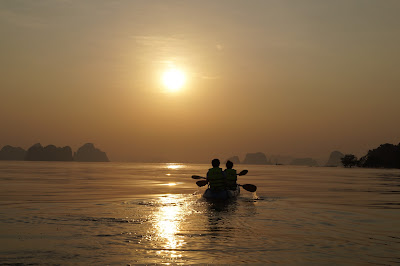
x,y
125,213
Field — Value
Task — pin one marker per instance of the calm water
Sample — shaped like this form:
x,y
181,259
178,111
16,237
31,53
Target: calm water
x,y
124,213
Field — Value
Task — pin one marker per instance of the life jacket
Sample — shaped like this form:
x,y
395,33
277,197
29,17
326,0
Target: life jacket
x,y
216,178
231,178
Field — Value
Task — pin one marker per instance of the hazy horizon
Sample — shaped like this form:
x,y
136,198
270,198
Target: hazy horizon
x,y
299,79
271,158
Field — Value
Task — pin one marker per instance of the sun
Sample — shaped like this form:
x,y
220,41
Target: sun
x,y
173,79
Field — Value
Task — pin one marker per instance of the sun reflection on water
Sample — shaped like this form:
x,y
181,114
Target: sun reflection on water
x,y
171,184
167,224
174,166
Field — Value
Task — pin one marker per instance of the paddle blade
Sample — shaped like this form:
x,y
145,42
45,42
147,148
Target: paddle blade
x,y
202,183
197,177
243,172
249,187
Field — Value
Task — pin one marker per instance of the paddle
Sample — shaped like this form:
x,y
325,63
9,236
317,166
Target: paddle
x,y
248,187
243,172
202,183
198,177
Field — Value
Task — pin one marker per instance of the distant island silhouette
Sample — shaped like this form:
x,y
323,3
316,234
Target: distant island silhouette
x,y
255,158
334,159
86,153
49,153
12,153
261,159
385,156
89,153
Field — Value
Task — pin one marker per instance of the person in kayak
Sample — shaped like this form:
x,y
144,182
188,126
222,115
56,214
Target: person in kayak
x,y
231,176
216,177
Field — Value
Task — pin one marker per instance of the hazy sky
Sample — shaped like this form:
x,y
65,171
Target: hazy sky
x,y
299,78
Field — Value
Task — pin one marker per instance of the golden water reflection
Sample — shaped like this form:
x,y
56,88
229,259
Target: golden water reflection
x,y
174,166
168,220
171,184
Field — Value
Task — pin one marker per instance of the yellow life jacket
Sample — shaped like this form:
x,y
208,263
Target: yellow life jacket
x,y
231,178
216,178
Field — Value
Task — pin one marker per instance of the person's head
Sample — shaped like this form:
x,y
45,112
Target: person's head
x,y
229,164
215,163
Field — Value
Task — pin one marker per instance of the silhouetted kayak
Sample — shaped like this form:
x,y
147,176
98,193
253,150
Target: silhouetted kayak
x,y
221,195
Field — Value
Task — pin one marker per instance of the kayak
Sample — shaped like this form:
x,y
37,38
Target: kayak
x,y
222,195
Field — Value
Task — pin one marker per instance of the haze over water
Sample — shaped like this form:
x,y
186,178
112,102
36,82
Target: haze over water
x,y
174,81
120,213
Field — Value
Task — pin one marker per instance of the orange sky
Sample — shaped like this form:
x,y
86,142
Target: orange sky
x,y
300,78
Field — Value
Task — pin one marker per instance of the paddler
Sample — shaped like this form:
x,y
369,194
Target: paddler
x,y
216,177
231,176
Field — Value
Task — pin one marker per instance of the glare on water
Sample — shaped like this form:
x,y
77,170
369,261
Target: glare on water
x,y
174,166
168,220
